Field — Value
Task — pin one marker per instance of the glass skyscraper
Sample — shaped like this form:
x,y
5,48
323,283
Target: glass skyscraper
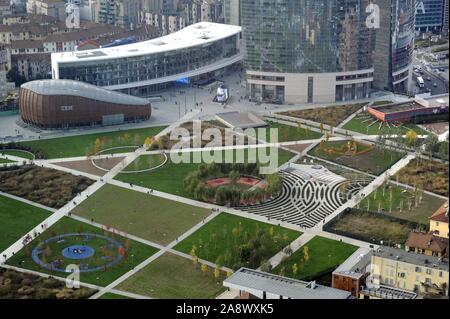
x,y
429,15
307,50
394,45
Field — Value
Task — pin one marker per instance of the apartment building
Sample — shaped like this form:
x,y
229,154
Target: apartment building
x,y
397,269
52,8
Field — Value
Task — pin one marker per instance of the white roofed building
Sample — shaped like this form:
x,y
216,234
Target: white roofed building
x,y
197,52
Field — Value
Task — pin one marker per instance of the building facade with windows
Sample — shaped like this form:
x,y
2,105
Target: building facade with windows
x,y
399,269
307,51
197,52
439,221
394,46
429,15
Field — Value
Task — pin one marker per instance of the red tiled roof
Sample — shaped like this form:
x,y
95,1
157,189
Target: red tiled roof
x,y
427,241
441,215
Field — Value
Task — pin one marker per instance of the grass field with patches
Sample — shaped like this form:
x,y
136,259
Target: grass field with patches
x,y
374,161
222,234
172,276
79,145
5,160
366,125
426,174
399,202
289,133
149,217
144,162
324,256
137,253
17,218
169,178
372,228
17,153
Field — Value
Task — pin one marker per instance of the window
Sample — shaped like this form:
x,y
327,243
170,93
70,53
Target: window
x,y
437,223
310,89
418,269
429,271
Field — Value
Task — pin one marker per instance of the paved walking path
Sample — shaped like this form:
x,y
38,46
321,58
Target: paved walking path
x,y
63,211
163,250
29,202
129,157
378,181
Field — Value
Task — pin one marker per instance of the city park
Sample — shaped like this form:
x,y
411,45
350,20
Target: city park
x,y
137,225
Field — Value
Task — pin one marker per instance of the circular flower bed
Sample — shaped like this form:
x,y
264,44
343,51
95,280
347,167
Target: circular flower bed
x,y
232,184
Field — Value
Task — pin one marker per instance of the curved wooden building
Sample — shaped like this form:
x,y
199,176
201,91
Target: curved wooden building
x,y
67,103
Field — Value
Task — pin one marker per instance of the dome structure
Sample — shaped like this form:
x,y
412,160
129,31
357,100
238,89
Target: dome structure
x,y
68,103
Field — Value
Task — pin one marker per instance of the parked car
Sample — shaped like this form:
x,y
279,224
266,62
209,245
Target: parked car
x,y
434,84
428,78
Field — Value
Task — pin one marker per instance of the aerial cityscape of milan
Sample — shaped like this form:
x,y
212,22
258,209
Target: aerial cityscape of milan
x,y
231,152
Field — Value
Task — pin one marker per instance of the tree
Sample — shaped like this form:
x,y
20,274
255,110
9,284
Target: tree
x,y
105,141
126,137
137,139
216,273
193,252
306,254
431,143
97,145
321,127
411,137
148,142
443,150
13,75
233,175
204,268
294,269
271,231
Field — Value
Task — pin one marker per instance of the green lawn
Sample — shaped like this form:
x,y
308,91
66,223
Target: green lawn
x,y
137,253
169,178
175,277
402,199
146,216
17,153
325,255
4,160
17,219
361,125
145,162
289,133
374,161
79,145
382,102
218,240
110,295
